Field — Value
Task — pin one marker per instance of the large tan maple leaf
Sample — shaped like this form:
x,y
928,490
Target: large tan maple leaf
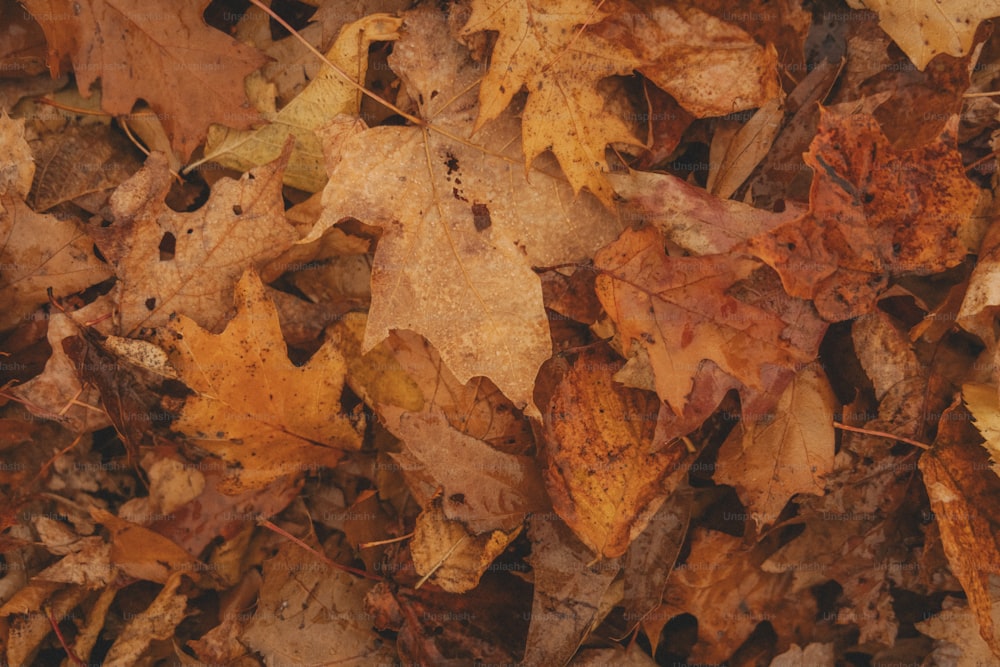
x,y
189,73
463,223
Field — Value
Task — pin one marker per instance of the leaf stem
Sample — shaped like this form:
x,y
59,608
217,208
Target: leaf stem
x,y
880,434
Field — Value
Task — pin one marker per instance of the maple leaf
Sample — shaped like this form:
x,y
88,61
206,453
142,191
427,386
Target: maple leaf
x,y
326,96
547,47
925,28
600,474
682,312
874,212
189,73
170,262
462,224
252,406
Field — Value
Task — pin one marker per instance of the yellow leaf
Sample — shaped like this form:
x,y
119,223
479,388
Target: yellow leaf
x,y
325,97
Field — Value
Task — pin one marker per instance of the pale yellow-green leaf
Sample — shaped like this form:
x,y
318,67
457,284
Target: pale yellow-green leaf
x,y
325,97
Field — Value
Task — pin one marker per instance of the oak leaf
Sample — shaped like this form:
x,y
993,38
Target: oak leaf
x,y
550,49
189,73
599,471
326,96
253,407
875,211
684,312
169,262
462,223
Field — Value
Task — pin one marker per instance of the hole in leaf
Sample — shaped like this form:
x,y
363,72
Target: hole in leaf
x,y
151,303
168,246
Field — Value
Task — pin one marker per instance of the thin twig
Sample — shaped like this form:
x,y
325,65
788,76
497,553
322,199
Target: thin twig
x,y
880,434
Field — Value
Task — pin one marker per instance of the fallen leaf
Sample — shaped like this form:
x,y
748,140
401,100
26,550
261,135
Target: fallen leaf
x,y
874,212
569,589
169,262
327,95
923,28
746,149
599,471
957,631
462,225
158,621
483,489
39,252
309,613
553,52
141,553
958,479
189,73
983,403
444,551
252,407
682,312
770,458
17,167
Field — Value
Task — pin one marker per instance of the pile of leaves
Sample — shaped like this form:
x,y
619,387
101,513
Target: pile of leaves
x,y
628,332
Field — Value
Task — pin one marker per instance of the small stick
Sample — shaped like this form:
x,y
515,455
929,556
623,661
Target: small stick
x,y
880,434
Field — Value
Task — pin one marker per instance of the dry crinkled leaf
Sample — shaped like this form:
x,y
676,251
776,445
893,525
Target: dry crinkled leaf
x,y
444,550
960,486
311,614
874,212
550,49
326,96
191,74
683,312
745,150
982,298
982,401
483,489
253,407
17,166
158,621
774,457
38,252
144,554
925,28
599,473
723,588
170,262
710,66
569,589
462,224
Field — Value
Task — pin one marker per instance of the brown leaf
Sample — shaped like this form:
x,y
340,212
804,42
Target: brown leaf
x,y
599,473
189,73
482,488
463,224
874,212
157,622
569,590
773,457
682,311
141,553
38,253
962,489
253,407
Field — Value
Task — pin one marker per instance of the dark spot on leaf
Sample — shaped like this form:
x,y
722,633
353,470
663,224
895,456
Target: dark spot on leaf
x,y
451,163
869,198
457,498
190,231
150,303
790,246
237,209
896,248
481,216
168,245
457,194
